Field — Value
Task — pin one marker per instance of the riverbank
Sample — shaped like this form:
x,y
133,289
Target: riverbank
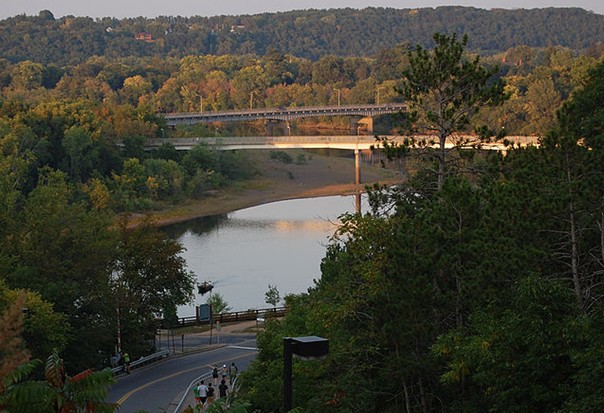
x,y
316,176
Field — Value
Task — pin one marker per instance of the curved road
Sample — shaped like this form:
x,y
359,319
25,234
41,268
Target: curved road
x,y
160,386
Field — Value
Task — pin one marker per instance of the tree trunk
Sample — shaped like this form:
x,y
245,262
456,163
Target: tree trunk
x,y
442,140
406,392
423,397
574,250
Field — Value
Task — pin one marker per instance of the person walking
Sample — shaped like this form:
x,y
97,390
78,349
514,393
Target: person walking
x,y
127,363
215,374
224,371
233,371
223,389
202,390
196,394
210,394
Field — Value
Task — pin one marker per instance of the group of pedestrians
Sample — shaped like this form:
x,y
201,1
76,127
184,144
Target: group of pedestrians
x,y
205,394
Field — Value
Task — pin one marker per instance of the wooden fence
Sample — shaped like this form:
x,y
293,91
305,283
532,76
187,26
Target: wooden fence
x,y
236,316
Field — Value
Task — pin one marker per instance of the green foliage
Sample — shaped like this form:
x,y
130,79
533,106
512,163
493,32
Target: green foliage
x,y
218,304
60,392
199,158
281,156
477,297
230,404
43,329
164,178
445,89
150,280
77,145
272,296
12,352
304,33
429,266
236,166
518,357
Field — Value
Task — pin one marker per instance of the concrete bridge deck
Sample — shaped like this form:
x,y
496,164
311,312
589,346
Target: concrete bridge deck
x,y
350,142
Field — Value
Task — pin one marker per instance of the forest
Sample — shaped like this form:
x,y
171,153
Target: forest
x,y
309,34
474,286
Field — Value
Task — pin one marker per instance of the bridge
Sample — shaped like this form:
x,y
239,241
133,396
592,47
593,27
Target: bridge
x,y
366,112
350,142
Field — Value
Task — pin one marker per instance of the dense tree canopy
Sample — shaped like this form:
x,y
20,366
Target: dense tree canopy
x,y
310,34
406,294
484,295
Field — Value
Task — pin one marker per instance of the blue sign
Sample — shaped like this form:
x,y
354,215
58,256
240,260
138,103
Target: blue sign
x,y
204,312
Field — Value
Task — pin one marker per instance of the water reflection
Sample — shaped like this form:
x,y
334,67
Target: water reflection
x,y
198,226
281,244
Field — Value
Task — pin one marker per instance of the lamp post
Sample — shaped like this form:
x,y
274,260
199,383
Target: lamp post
x,y
305,348
339,92
116,284
377,101
200,102
252,99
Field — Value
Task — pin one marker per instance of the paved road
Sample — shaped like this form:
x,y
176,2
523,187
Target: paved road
x,y
159,387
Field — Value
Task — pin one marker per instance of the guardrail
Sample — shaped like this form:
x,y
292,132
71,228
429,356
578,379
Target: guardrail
x,y
189,389
143,360
235,316
173,119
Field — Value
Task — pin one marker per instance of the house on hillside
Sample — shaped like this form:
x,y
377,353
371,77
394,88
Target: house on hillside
x,y
144,37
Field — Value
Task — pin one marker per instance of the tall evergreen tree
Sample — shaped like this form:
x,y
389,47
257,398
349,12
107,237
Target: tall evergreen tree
x,y
444,89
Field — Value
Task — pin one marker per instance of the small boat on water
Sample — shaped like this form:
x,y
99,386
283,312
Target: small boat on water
x,y
204,287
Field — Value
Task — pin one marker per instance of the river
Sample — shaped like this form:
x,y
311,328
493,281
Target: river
x,y
241,253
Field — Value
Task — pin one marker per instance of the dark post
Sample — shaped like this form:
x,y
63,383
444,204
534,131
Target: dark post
x,y
287,374
305,348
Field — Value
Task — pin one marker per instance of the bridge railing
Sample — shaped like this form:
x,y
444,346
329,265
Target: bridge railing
x,y
142,361
235,316
387,107
262,140
325,141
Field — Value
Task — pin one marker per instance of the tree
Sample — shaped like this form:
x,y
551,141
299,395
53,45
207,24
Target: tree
x,y
543,100
248,86
76,144
218,303
64,251
575,153
272,296
517,357
12,351
444,90
28,76
43,329
149,281
59,392
131,188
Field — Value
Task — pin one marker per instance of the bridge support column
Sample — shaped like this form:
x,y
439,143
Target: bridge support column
x,y
357,178
273,126
364,125
368,122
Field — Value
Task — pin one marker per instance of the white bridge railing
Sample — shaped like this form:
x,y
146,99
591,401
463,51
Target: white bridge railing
x,y
352,142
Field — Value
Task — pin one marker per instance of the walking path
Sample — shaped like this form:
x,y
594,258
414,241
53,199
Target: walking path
x,y
230,328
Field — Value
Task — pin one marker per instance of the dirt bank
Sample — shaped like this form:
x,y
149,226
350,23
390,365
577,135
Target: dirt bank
x,y
276,181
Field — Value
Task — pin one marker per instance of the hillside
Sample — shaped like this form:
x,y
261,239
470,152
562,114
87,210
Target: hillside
x,y
309,34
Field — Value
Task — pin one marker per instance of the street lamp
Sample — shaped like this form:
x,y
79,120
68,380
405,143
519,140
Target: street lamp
x,y
305,348
339,91
377,101
200,102
252,99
